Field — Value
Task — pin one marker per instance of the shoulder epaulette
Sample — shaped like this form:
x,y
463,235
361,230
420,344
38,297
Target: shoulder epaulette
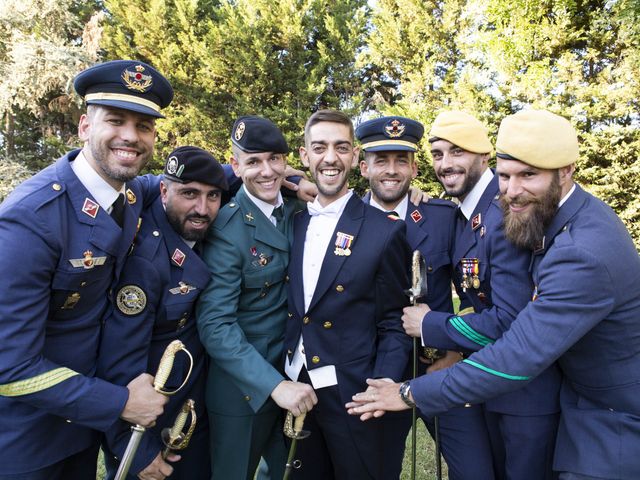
x,y
226,213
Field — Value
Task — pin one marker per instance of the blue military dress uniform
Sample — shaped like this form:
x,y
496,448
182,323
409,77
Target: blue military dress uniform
x,y
353,322
583,313
61,253
166,277
522,425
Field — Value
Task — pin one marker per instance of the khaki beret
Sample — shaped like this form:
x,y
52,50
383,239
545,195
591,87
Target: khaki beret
x,y
463,130
538,138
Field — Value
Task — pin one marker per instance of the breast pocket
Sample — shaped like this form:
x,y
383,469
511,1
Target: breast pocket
x,y
262,286
79,290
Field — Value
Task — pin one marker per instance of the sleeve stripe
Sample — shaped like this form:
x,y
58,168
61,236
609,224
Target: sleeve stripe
x,y
459,324
495,372
37,383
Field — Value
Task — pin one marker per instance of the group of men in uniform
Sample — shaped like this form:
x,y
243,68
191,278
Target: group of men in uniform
x,y
286,306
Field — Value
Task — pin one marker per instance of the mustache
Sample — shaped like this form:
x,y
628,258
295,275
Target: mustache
x,y
205,218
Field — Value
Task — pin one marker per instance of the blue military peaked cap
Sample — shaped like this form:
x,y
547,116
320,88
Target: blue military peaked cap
x,y
254,134
126,84
192,164
389,133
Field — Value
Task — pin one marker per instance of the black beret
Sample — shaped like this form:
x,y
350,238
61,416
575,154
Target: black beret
x,y
254,134
193,164
126,84
389,133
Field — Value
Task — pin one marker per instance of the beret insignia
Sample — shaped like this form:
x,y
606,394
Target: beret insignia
x,y
131,300
172,165
239,131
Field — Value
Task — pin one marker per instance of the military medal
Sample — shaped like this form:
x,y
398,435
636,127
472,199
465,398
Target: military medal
x,y
262,259
470,273
343,244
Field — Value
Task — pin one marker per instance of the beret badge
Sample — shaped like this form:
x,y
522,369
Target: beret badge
x,y
239,131
136,79
172,165
394,129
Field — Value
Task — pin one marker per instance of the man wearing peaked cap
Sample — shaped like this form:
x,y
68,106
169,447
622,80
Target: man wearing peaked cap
x,y
389,145
166,275
242,313
491,276
69,228
586,276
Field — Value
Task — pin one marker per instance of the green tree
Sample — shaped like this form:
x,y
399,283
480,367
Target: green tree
x,y
278,59
41,49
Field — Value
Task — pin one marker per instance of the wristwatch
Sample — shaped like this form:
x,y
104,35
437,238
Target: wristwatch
x,y
405,388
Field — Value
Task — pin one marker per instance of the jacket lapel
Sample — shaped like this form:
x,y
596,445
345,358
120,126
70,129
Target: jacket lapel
x,y
265,231
349,223
415,233
296,284
467,239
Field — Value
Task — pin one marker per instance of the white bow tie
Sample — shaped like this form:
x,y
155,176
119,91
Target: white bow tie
x,y
315,208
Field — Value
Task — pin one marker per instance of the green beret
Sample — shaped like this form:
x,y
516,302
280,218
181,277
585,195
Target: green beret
x,y
461,129
538,138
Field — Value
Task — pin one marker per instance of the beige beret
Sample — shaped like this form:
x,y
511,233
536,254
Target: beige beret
x,y
463,130
538,138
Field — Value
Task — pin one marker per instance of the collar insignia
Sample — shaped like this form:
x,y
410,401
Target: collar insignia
x,y
476,221
131,197
90,207
416,216
178,257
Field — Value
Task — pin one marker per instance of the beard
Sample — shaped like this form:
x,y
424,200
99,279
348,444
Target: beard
x,y
471,179
100,152
526,230
390,196
179,225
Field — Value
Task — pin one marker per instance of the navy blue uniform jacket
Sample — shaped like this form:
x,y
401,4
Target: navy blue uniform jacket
x,y
584,313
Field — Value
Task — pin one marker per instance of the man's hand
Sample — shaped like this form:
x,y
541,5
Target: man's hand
x,y
412,319
381,396
158,469
144,405
296,397
449,360
307,190
416,196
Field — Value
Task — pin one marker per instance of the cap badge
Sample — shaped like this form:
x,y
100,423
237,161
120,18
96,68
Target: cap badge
x,y
394,129
172,165
90,207
416,216
239,131
136,79
131,300
178,257
343,244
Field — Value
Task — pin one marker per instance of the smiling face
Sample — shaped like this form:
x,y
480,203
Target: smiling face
x,y
529,199
458,170
117,143
261,173
330,155
191,207
389,174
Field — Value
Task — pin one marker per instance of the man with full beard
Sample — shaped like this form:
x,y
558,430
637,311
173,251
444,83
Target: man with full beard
x,y
65,234
520,427
583,313
348,272
155,303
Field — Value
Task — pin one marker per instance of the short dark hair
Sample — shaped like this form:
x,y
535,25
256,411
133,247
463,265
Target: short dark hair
x,y
328,115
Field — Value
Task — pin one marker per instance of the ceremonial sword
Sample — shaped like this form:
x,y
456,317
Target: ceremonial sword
x,y
164,370
293,430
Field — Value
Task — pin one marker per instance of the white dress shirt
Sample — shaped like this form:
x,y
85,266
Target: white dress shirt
x,y
266,208
100,190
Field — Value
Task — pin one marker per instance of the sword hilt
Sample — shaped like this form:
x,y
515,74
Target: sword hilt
x,y
174,438
166,364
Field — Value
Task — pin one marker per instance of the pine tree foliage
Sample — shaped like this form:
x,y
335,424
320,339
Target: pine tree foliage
x,y
278,59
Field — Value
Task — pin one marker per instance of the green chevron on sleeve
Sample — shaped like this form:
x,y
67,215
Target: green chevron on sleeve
x,y
461,326
495,372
